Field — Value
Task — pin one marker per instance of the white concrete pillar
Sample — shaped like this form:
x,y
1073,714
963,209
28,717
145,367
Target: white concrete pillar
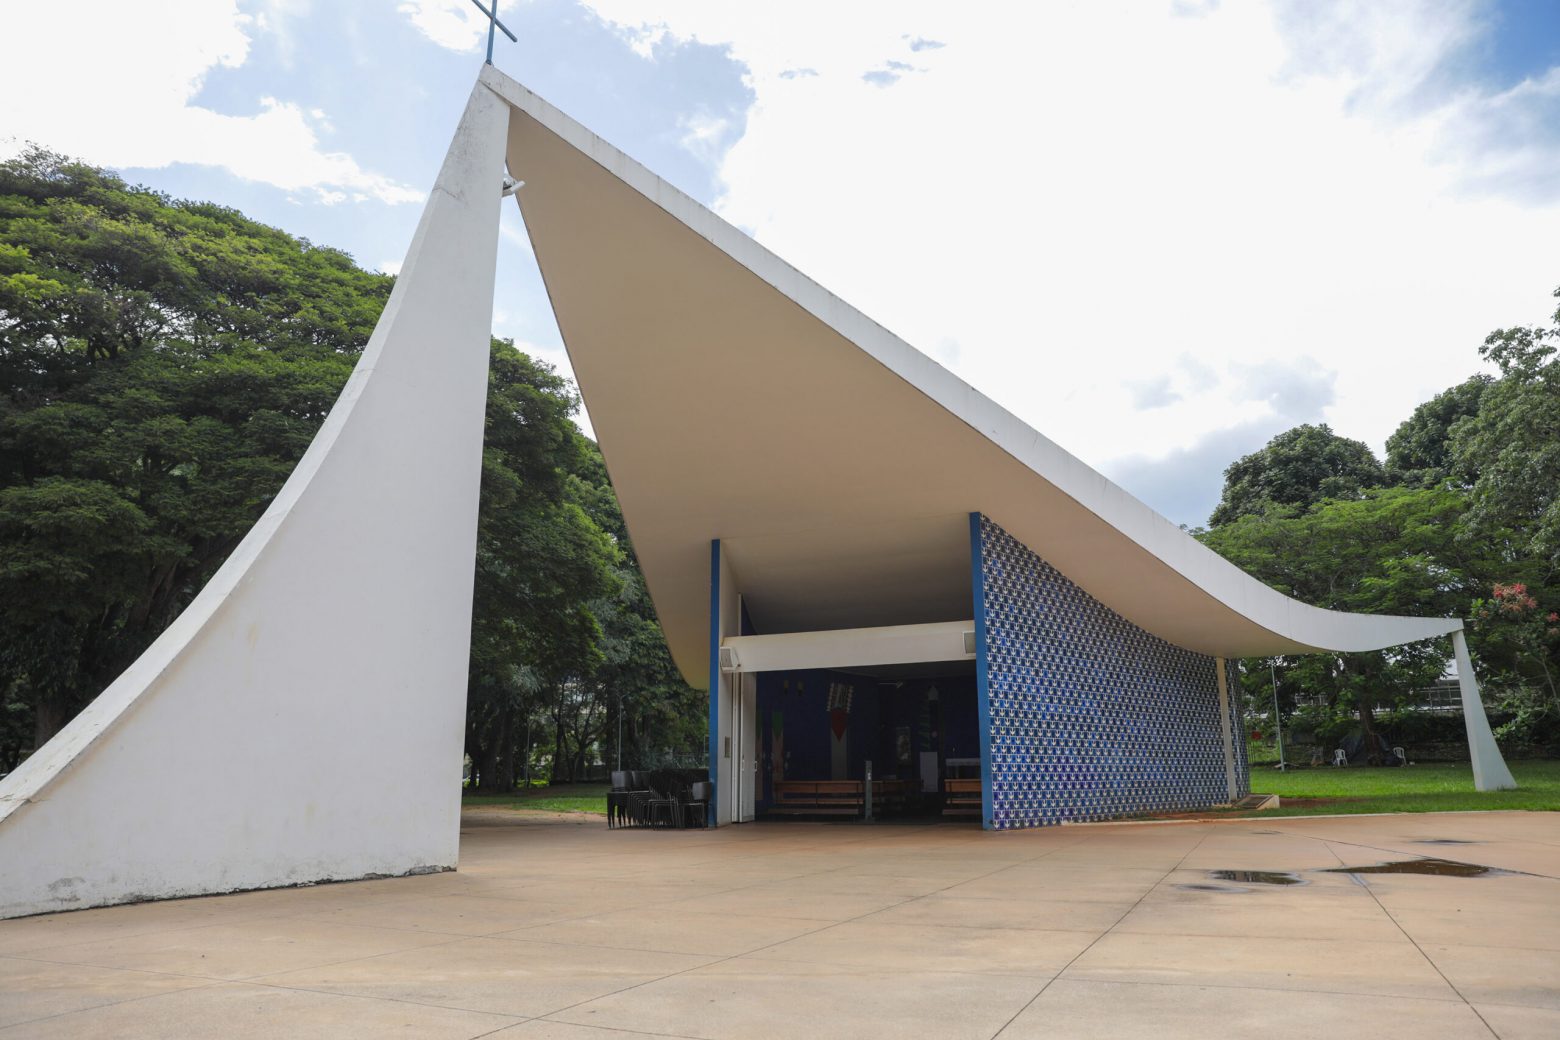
x,y
1227,731
302,719
1489,767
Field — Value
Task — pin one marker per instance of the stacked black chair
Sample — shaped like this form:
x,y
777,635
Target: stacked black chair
x,y
659,798
696,811
666,800
617,799
639,781
627,801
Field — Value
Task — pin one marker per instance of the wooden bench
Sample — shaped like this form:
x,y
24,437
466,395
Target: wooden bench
x,y
961,797
818,797
890,796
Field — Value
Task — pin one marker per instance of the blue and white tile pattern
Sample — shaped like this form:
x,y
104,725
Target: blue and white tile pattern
x,y
1090,716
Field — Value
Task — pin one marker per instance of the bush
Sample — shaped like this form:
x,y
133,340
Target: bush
x,y
1530,716
1322,726
1419,727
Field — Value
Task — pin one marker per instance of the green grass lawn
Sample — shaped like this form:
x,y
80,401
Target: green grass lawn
x,y
1432,787
583,798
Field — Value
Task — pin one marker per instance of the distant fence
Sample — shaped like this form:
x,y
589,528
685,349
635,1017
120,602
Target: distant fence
x,y
1444,697
601,769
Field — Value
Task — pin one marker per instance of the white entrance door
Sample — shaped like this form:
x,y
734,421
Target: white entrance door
x,y
744,769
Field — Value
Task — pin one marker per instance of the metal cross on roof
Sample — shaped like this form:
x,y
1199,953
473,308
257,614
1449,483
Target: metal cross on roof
x,y
492,22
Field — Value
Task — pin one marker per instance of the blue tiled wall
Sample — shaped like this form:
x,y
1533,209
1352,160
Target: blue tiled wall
x,y
1090,716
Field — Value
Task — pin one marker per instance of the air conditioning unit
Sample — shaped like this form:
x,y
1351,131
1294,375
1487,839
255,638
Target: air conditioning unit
x,y
728,660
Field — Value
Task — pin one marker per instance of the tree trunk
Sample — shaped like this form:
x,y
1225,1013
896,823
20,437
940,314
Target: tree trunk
x,y
1368,724
1549,678
560,751
487,770
498,767
50,715
528,749
504,750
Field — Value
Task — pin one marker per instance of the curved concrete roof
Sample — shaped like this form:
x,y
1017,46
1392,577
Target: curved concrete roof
x,y
734,398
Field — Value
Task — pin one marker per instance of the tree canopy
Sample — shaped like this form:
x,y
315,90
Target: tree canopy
x,y
1509,450
1298,468
163,365
1391,551
1463,521
1419,452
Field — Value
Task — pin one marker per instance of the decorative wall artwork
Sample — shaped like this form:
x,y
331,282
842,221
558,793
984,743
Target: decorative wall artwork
x,y
840,695
1090,716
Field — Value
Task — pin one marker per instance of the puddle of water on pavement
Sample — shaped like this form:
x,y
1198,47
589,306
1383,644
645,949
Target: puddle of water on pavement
x,y
1446,841
1434,867
1210,888
1256,877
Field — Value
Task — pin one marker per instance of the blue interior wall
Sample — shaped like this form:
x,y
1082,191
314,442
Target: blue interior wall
x,y
1090,716
878,711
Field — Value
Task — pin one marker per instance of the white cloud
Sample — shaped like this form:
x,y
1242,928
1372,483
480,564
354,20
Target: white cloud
x,y
1121,213
455,24
280,20
703,135
644,38
107,82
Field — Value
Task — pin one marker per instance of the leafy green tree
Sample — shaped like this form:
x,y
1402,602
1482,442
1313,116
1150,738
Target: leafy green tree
x,y
541,562
625,701
1472,530
1298,468
645,704
1392,551
1513,616
1419,452
1523,635
162,367
1509,452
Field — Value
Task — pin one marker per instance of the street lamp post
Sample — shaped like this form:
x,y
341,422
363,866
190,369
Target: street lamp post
x,y
1278,725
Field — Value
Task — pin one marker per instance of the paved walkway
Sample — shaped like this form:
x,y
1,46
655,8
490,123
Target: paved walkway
x,y
556,927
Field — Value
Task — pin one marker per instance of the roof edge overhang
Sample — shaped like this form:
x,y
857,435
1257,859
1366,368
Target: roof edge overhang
x,y
1262,621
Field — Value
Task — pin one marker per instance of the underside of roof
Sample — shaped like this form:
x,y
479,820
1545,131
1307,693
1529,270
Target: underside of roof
x,y
735,399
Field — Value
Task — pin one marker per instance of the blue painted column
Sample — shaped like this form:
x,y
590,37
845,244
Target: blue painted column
x,y
982,690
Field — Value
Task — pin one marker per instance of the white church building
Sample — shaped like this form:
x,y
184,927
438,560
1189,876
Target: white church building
x,y
861,557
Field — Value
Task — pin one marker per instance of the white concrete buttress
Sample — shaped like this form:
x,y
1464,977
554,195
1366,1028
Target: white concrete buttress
x,y
1227,735
303,719
1490,772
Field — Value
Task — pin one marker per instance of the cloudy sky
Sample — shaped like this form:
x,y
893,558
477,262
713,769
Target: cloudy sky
x,y
1159,231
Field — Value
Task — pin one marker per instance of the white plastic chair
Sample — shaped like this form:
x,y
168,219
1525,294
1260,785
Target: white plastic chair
x,y
1340,757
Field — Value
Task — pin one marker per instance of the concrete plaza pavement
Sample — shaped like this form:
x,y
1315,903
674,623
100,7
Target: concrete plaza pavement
x,y
556,927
